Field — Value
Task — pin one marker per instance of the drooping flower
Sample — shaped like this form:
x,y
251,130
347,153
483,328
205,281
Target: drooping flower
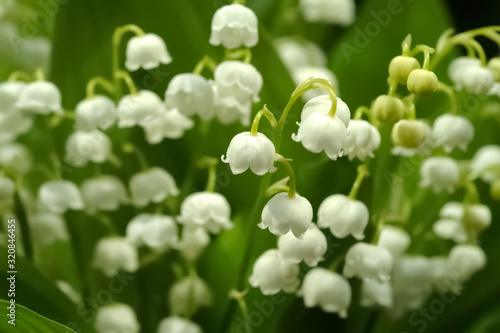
x,y
457,68
477,216
170,124
47,228
409,134
486,163
344,216
323,104
174,324
341,12
154,231
98,112
246,150
239,79
424,148
40,97
116,318
326,289
362,140
298,52
440,173
193,241
272,274
477,80
13,123
191,94
401,67
450,224
147,52
394,239
368,261
15,158
388,109
464,261
188,295
422,82
9,94
450,131
84,147
234,26
58,196
206,209
103,193
228,109
309,249
112,254
139,108
152,185
374,292
283,214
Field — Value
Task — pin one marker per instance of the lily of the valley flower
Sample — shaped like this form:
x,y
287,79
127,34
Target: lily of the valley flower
x,y
191,94
368,261
272,274
153,185
147,52
486,163
13,123
234,26
103,193
118,318
239,79
394,239
174,324
98,112
464,261
15,158
301,74
188,295
440,173
40,97
58,196
139,108
113,254
310,249
323,104
374,292
84,147
9,94
450,131
362,140
341,12
170,124
450,224
478,80
155,231
193,241
47,228
457,68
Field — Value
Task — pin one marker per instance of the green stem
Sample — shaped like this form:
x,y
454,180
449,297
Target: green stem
x,y
211,164
206,61
131,148
471,193
450,92
256,120
240,2
99,81
291,174
393,86
39,75
19,76
125,76
362,173
378,230
242,304
427,51
406,45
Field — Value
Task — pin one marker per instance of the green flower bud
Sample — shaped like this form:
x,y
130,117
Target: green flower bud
x,y
495,190
477,217
422,82
409,133
494,66
401,66
388,109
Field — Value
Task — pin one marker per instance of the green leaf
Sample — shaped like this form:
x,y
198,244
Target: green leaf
x,y
26,320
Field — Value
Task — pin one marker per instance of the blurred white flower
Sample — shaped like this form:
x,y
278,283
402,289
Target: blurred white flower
x,y
341,12
283,214
450,131
84,147
33,53
152,185
239,79
326,289
440,173
112,254
57,196
9,94
256,152
297,52
272,274
12,124
457,68
486,163
450,224
477,80
310,249
344,216
188,295
301,74
147,52
191,94
170,124
15,158
47,228
206,209
174,324
193,241
423,149
374,292
234,26
368,261
228,109
98,112
464,261
362,140
116,318
139,108
103,193
477,217
154,231
40,97
394,239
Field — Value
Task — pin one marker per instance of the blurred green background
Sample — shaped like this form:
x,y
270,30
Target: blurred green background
x,y
81,33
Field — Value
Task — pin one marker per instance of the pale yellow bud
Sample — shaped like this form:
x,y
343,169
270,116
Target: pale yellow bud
x,y
388,109
401,66
409,133
494,67
422,82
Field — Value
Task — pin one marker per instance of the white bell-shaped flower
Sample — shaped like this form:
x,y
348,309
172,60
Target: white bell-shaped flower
x,y
207,209
48,228
139,108
450,131
98,112
15,158
12,124
477,217
154,231
478,80
9,94
326,289
362,140
234,26
40,97
457,67
193,241
374,292
174,324
464,261
394,239
239,79
152,185
147,51
298,52
191,94
301,74
344,216
486,163
283,214
246,150
440,173
170,124
7,191
368,261
271,273
57,196
310,249
116,318
323,104
341,12
188,295
103,193
450,224
84,147
112,254
228,109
